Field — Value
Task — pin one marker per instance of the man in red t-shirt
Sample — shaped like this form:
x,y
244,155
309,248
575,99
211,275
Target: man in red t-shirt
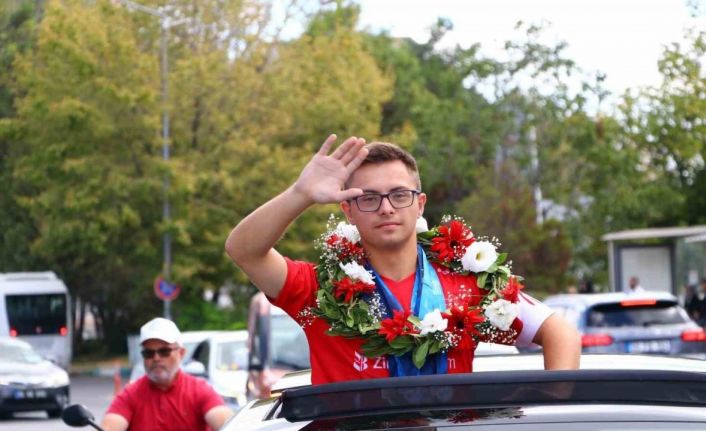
x,y
386,178
165,398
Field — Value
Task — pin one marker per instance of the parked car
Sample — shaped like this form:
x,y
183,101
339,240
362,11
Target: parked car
x,y
189,339
29,382
652,322
224,356
627,392
277,345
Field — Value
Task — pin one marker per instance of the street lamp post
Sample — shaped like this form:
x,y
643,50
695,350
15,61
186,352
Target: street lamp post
x,y
164,23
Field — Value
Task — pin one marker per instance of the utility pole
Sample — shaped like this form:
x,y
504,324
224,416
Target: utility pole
x,y
164,24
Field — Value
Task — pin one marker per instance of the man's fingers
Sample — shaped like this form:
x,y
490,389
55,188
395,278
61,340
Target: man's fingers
x,y
344,148
352,152
326,146
360,155
347,194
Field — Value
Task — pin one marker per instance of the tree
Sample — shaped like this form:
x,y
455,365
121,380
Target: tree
x,y
16,226
666,126
88,172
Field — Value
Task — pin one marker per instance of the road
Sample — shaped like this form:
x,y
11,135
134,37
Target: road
x,y
93,392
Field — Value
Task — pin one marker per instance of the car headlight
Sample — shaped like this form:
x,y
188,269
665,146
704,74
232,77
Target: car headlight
x,y
58,379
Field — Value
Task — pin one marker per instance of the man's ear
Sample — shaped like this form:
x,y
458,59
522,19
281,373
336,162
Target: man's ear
x,y
422,201
346,208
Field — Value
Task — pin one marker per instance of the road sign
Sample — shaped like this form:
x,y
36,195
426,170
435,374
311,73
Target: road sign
x,y
164,290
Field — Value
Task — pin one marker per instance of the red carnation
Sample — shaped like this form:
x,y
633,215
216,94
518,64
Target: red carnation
x,y
452,241
347,288
462,323
398,325
512,289
344,249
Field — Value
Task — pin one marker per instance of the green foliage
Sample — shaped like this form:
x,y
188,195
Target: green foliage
x,y
503,207
666,126
83,175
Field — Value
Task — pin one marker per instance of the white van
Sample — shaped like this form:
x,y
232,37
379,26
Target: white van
x,y
36,307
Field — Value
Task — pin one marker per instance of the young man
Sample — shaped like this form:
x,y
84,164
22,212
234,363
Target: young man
x,y
165,398
379,190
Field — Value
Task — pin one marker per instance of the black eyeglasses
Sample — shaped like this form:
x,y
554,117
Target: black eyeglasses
x,y
163,352
370,202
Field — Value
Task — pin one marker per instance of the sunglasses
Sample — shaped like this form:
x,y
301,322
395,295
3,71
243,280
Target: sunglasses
x,y
163,352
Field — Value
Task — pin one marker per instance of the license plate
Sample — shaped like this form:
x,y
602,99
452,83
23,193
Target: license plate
x,y
653,346
29,394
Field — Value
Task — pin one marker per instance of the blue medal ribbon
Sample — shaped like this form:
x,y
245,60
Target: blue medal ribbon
x,y
427,296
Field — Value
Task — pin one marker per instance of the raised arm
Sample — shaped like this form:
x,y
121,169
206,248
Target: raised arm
x,y
251,243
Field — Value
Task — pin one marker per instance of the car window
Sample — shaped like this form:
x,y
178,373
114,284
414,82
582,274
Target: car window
x,y
232,355
202,353
36,314
189,346
289,346
616,315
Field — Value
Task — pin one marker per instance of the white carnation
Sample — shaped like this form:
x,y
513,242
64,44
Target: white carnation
x,y
479,256
422,225
348,231
433,322
502,313
356,271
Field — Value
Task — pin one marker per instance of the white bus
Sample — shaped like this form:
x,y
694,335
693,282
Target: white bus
x,y
35,307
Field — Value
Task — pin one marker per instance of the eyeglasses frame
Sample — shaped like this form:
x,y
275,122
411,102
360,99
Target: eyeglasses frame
x,y
386,196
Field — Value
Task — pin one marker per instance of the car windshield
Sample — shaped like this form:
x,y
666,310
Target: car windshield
x,y
616,315
17,353
232,355
289,345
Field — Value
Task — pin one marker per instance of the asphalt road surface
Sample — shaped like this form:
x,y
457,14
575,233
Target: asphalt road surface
x,y
93,392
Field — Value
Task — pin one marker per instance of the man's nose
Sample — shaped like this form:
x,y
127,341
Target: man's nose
x,y
386,205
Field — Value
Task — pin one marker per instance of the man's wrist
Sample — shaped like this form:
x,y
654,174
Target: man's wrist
x,y
299,197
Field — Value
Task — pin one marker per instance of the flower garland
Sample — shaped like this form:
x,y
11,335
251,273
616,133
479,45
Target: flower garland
x,y
349,302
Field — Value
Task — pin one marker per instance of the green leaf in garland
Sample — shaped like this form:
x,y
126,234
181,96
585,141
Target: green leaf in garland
x,y
348,319
420,354
481,279
504,270
403,342
501,259
434,347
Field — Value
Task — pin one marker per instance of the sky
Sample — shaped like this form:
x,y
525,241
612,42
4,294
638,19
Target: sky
x,y
622,38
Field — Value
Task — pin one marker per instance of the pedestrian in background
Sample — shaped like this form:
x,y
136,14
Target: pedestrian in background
x,y
165,398
634,286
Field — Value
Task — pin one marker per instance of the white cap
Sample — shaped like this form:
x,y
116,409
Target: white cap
x,y
160,328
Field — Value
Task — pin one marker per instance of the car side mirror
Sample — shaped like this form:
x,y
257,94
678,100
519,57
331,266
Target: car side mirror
x,y
195,368
77,415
